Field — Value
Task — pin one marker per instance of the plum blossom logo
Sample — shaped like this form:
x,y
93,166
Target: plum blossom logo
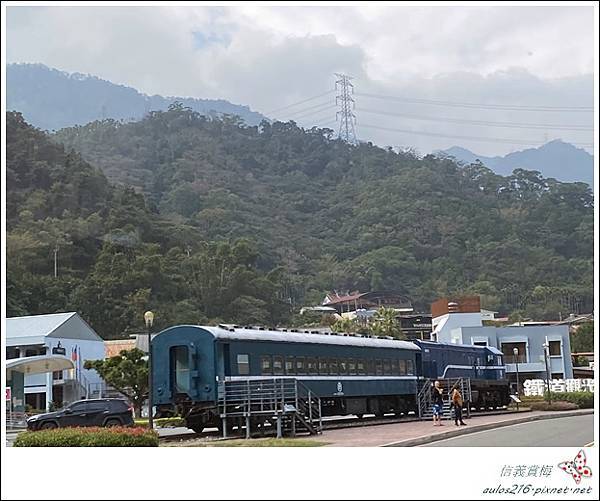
x,y
577,468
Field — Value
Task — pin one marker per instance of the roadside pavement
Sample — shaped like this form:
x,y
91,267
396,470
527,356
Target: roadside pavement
x,y
415,433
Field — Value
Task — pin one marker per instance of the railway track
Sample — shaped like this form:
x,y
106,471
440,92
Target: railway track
x,y
334,423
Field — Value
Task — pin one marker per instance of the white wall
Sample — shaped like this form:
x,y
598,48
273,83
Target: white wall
x,y
446,328
90,350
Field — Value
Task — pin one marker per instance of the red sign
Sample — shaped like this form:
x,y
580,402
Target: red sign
x,y
8,393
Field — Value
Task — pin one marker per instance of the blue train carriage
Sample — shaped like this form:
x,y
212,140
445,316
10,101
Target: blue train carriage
x,y
351,374
483,365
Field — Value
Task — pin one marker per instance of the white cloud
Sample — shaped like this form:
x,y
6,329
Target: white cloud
x,y
269,57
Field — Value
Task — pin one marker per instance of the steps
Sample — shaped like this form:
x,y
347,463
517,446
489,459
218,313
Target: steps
x,y
447,412
425,403
283,402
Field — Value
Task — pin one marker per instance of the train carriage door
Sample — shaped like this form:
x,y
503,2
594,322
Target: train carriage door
x,y
223,362
419,370
180,361
226,360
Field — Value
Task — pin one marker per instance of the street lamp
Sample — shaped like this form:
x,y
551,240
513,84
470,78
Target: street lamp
x,y
149,320
516,354
546,347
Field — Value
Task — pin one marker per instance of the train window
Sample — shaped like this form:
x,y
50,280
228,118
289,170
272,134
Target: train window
x,y
394,367
243,363
311,365
266,365
410,368
333,366
402,367
323,366
387,366
278,365
300,368
360,367
343,366
371,367
351,367
378,367
289,366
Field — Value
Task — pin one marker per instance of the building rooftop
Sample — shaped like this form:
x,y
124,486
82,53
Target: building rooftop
x,y
36,325
35,328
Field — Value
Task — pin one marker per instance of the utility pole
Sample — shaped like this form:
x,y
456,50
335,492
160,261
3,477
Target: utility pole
x,y
346,103
56,260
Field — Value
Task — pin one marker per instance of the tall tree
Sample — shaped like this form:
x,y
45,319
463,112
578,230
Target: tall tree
x,y
127,373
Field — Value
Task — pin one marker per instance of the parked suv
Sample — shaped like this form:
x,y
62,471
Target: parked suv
x,y
96,412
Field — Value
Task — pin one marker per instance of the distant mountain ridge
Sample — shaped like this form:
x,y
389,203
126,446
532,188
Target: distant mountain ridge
x,y
51,99
556,159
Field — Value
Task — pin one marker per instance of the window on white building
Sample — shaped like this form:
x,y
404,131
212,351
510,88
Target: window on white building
x,y
509,354
554,348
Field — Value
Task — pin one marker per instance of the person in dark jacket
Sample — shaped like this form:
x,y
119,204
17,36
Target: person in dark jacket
x,y
457,403
437,400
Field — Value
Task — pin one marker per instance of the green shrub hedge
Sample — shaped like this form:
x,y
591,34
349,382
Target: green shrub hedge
x,y
583,399
88,437
554,406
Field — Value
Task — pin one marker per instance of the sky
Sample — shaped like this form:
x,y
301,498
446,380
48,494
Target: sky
x,y
271,57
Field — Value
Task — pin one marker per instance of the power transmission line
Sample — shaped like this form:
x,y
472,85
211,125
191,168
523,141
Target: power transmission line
x,y
346,103
313,112
292,113
470,138
299,102
583,109
515,125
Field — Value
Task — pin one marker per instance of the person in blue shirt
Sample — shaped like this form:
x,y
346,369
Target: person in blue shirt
x,y
437,399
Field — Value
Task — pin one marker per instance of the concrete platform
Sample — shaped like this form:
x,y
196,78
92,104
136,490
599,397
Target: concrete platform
x,y
423,432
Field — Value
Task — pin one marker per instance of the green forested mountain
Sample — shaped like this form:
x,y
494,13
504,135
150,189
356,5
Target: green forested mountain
x,y
313,213
116,258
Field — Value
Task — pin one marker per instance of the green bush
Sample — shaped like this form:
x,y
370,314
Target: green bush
x,y
583,399
169,422
554,406
88,437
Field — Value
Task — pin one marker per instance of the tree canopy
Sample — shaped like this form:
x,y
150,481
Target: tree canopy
x,y
205,219
127,373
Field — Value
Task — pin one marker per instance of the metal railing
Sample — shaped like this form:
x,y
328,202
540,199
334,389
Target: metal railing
x,y
15,420
425,403
286,400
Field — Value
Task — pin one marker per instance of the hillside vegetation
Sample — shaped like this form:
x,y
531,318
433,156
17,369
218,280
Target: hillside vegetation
x,y
210,219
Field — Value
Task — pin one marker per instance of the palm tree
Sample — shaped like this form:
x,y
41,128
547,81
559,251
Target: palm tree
x,y
344,325
385,323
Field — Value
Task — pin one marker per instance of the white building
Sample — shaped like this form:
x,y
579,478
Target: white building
x,y
56,334
459,321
